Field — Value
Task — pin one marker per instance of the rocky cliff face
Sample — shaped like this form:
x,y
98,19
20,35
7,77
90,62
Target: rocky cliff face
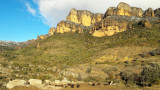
x,y
110,26
84,17
68,26
149,13
116,19
124,10
157,12
52,31
41,37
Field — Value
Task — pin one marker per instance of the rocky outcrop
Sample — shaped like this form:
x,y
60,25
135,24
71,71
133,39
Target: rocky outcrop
x,y
84,17
137,11
52,31
35,82
109,26
41,37
125,10
145,23
149,13
69,27
157,12
12,84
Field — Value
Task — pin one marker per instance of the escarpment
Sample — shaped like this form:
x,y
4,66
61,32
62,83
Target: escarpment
x,y
110,26
149,13
157,13
115,20
68,26
84,17
125,10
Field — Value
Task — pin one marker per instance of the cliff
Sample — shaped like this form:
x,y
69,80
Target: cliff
x,y
110,26
157,12
149,13
52,31
116,19
125,10
84,17
68,26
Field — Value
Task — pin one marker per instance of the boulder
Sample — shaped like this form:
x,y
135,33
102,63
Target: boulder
x,y
12,84
149,13
65,81
57,82
35,82
52,31
84,17
124,9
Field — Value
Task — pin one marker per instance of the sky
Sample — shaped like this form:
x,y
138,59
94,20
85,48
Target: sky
x,y
22,20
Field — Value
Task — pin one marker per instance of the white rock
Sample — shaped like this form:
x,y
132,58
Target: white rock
x,y
35,82
47,81
65,81
12,84
57,82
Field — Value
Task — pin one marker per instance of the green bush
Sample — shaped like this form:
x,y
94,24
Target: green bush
x,y
89,70
152,53
150,74
128,76
79,78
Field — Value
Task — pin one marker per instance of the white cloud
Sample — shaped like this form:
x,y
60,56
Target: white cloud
x,y
30,9
54,11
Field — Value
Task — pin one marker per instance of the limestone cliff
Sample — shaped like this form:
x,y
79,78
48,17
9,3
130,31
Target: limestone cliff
x,y
157,12
125,10
68,26
109,26
52,31
41,37
149,13
84,17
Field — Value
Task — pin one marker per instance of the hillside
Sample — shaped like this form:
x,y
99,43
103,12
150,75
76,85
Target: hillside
x,y
121,47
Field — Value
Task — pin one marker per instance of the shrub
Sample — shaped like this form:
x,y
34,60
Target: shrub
x,y
152,53
89,70
79,78
128,76
150,74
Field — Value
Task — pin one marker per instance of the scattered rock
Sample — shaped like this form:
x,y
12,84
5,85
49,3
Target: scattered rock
x,y
14,83
35,82
57,82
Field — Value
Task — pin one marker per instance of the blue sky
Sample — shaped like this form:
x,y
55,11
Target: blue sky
x,y
17,23
22,20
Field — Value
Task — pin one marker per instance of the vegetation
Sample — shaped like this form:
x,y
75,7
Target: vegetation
x,y
5,48
69,50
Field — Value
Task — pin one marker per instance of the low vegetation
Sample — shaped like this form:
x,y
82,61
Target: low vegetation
x,y
62,51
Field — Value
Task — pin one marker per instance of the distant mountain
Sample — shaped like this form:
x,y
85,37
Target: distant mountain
x,y
11,43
